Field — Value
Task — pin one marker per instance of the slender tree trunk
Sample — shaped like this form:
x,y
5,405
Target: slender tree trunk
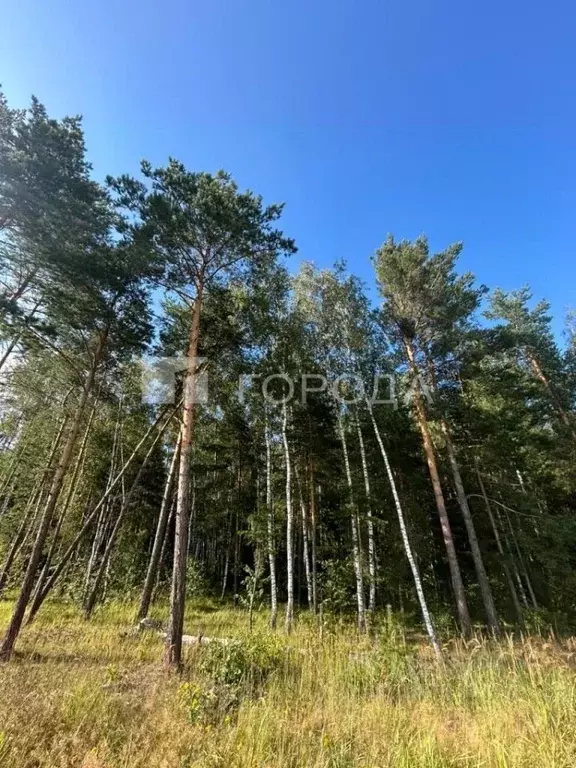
x,y
24,285
66,557
405,538
270,527
15,340
106,510
531,592
178,592
10,348
289,524
305,543
28,583
69,496
541,376
99,536
192,515
236,569
518,578
164,544
369,521
482,576
159,537
226,569
229,542
254,586
27,525
507,575
455,575
22,534
313,538
11,473
355,534
93,595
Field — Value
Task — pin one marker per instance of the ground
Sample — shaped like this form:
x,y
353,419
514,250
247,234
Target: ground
x,y
95,695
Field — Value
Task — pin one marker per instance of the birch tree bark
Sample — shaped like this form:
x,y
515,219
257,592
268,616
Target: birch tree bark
x,y
355,533
289,619
369,521
270,526
405,538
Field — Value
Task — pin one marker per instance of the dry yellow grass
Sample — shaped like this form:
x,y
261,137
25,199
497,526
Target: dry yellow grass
x,y
96,696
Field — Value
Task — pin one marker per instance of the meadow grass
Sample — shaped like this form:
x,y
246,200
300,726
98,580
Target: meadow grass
x,y
95,694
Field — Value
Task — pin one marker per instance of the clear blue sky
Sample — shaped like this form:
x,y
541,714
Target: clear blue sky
x,y
452,118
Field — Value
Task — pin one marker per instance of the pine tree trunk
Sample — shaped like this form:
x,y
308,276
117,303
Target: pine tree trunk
x,y
369,522
355,534
270,527
289,620
150,580
178,592
28,583
482,576
455,575
405,538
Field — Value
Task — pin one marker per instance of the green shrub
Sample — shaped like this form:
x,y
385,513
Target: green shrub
x,y
246,662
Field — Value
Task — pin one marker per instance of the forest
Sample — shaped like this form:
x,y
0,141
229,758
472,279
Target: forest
x,y
231,481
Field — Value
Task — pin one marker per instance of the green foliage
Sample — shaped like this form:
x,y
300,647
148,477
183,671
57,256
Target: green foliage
x,y
337,586
196,579
90,275
244,663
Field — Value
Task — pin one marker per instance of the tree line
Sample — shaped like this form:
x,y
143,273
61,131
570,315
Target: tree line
x,y
452,503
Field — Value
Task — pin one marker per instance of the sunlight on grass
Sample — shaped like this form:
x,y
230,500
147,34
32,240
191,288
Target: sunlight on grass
x,y
95,694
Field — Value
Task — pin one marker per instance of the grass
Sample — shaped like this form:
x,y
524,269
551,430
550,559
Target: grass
x,y
94,694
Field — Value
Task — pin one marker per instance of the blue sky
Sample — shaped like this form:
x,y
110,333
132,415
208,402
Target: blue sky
x,y
450,118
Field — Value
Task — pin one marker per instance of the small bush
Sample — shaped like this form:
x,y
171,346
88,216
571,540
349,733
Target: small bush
x,y
246,662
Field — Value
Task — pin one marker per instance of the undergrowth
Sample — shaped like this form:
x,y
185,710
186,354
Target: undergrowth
x,y
95,694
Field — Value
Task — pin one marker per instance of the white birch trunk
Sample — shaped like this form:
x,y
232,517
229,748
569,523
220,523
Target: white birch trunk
x,y
270,527
289,620
369,521
405,539
355,533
